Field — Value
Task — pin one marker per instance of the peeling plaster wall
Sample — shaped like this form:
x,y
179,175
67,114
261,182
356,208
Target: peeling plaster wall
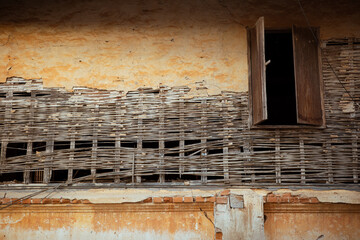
x,y
130,44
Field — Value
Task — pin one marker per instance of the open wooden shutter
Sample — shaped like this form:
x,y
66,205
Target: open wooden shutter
x,y
258,80
309,104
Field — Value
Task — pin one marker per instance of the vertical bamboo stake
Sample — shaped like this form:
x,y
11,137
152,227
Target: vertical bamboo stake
x,y
277,157
182,133
119,125
5,141
29,144
203,142
302,161
161,135
138,160
94,148
226,140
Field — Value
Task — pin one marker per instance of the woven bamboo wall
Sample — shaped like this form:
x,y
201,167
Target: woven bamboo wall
x,y
164,137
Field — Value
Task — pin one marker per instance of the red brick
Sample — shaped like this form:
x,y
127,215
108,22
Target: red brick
x,y
75,201
188,199
210,199
147,200
65,200
168,199
46,201
55,200
26,201
85,201
286,194
295,199
200,199
36,200
178,199
15,201
271,198
304,200
221,200
218,236
158,199
6,200
314,200
225,193
284,199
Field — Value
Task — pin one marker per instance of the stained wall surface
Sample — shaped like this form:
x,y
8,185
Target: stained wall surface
x,y
319,221
107,221
130,44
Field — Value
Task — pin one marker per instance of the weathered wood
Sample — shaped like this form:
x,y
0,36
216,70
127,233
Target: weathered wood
x,y
258,77
204,137
309,103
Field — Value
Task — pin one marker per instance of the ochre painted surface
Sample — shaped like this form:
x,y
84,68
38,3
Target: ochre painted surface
x,y
312,221
129,44
108,221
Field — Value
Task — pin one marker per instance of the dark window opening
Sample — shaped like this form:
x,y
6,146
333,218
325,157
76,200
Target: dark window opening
x,y
22,94
106,144
128,144
16,149
59,176
61,145
280,79
38,147
150,144
16,177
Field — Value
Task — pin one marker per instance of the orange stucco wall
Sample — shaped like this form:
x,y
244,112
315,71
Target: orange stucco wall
x,y
107,221
129,44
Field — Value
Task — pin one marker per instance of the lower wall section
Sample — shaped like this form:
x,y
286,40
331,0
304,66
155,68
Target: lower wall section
x,y
312,221
108,221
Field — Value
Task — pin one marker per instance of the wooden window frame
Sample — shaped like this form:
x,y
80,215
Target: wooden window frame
x,y
297,70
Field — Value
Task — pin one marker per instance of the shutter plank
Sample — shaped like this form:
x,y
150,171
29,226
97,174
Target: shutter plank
x,y
307,77
258,81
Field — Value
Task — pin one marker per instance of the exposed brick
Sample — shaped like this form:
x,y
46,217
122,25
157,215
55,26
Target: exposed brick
x,y
147,200
15,201
75,201
6,200
199,199
295,199
284,199
46,201
221,200
56,200
65,200
178,199
168,199
304,200
225,192
314,200
26,201
271,198
210,199
218,236
286,195
36,200
188,199
85,201
158,199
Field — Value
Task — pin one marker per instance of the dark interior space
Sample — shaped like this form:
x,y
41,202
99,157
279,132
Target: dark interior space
x,y
280,80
